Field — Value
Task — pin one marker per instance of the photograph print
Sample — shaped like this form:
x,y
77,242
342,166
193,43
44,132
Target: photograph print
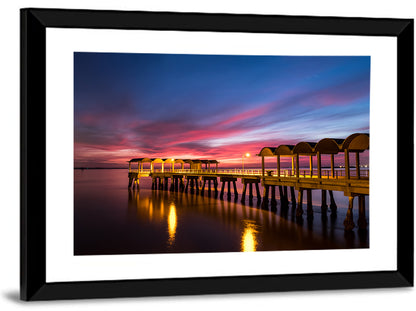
x,y
193,153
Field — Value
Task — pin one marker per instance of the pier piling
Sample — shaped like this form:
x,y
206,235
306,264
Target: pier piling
x,y
293,196
265,196
309,208
324,206
273,200
250,193
243,194
349,222
228,180
299,209
333,205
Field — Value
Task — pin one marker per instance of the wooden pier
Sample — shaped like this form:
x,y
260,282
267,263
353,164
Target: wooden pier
x,y
353,182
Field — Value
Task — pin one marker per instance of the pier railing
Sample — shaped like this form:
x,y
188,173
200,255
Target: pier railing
x,y
252,172
305,173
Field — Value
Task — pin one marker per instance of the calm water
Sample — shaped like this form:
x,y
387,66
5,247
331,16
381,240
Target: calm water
x,y
111,219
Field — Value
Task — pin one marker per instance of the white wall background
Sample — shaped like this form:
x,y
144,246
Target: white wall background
x,y
387,299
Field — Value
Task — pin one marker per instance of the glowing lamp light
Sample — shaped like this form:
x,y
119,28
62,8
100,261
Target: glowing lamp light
x,y
242,158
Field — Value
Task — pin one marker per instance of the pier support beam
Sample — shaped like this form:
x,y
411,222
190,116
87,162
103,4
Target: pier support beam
x,y
203,188
293,196
286,196
324,206
248,183
257,190
130,182
197,185
192,183
243,194
273,200
216,186
250,193
228,180
186,186
309,209
299,209
235,188
333,205
207,180
176,184
283,198
265,202
349,222
222,190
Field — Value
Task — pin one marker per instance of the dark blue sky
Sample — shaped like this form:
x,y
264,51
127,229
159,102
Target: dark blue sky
x,y
212,106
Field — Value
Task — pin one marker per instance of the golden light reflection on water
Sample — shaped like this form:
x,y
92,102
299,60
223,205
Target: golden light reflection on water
x,y
162,209
172,223
249,237
150,211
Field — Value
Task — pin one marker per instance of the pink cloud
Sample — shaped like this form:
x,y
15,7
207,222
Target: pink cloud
x,y
246,115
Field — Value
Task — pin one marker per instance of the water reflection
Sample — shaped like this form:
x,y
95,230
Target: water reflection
x,y
172,223
165,221
151,211
249,239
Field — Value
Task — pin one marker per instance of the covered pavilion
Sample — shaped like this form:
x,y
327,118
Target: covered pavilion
x,y
355,143
168,165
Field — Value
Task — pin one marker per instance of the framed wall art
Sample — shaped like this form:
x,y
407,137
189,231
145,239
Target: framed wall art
x,y
190,153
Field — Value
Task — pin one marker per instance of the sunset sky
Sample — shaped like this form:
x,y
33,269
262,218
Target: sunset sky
x,y
212,106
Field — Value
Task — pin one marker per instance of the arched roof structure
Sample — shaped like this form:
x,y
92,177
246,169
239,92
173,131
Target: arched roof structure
x,y
357,142
304,148
169,160
267,152
329,146
284,150
141,160
158,160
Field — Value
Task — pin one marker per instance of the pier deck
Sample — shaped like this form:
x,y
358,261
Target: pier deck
x,y
350,186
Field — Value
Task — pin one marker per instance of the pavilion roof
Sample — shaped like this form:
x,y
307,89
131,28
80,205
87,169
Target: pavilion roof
x,y
357,142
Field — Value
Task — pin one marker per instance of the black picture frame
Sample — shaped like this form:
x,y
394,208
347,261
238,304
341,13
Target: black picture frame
x,y
35,21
